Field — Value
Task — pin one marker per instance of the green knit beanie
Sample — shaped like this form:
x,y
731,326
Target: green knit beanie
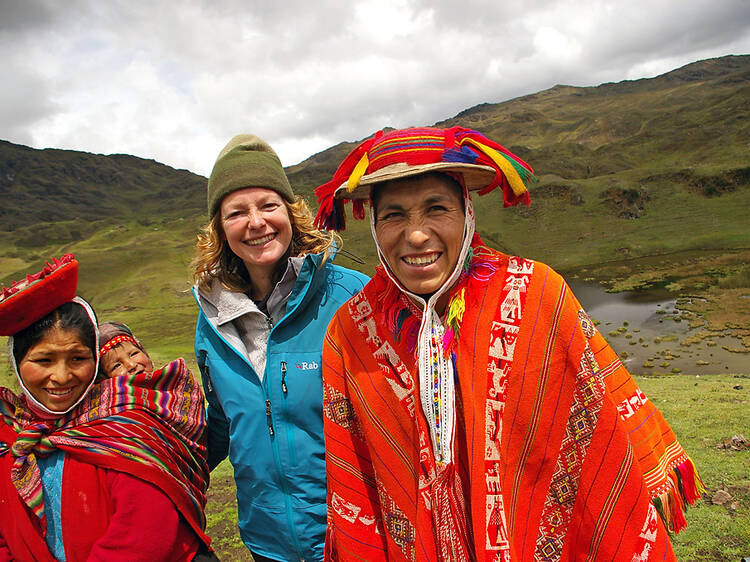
x,y
246,161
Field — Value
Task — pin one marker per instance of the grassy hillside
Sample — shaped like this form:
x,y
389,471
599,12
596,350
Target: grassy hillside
x,y
641,183
49,186
672,121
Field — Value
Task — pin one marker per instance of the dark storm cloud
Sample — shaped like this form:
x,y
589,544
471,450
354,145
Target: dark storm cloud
x,y
24,16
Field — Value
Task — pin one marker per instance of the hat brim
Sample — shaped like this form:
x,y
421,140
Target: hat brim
x,y
476,176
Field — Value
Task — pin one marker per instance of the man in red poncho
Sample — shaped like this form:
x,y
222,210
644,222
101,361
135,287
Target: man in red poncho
x,y
472,410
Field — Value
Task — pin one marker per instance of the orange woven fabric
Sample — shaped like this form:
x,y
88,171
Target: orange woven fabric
x,y
553,441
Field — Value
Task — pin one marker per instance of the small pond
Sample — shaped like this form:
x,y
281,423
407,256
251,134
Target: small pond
x,y
652,335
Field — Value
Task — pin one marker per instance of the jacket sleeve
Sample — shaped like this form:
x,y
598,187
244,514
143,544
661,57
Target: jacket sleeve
x,y
161,533
354,524
217,424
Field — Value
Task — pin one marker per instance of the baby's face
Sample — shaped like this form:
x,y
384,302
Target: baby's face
x,y
126,359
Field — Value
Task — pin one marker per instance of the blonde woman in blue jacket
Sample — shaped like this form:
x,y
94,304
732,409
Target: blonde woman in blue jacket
x,y
266,288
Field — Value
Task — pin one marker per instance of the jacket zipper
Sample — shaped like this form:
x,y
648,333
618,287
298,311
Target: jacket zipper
x,y
269,418
205,370
287,501
283,377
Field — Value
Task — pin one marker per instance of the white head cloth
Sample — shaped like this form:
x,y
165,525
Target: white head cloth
x,y
30,397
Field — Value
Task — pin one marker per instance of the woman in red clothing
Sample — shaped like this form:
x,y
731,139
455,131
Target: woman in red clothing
x,y
108,471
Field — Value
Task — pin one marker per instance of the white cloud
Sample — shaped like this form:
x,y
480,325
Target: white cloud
x,y
174,81
554,45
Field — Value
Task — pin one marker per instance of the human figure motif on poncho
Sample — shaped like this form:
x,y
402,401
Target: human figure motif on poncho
x,y
472,409
114,470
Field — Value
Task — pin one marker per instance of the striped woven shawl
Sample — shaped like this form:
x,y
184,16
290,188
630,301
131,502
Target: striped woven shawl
x,y
148,425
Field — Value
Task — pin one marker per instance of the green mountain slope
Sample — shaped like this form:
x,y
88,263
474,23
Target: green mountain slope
x,y
695,117
56,185
640,182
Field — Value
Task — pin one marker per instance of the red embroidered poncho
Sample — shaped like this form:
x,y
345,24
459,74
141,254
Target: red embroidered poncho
x,y
558,454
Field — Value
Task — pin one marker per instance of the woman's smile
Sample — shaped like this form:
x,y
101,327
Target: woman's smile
x,y
58,396
59,391
262,240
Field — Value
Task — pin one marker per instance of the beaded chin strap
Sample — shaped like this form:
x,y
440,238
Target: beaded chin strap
x,y
436,376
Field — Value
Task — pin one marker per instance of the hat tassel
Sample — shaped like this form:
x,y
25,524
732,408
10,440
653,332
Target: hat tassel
x,y
509,167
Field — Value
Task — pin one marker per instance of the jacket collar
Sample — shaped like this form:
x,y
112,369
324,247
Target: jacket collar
x,y
230,305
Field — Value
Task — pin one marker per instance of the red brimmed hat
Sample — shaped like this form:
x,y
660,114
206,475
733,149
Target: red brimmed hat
x,y
483,164
32,298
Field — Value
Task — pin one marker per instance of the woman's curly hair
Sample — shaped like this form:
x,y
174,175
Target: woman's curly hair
x,y
215,260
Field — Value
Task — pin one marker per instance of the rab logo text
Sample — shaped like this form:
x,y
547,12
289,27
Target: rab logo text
x,y
307,366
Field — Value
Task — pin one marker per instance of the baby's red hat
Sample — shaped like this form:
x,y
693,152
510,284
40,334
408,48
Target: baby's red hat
x,y
32,298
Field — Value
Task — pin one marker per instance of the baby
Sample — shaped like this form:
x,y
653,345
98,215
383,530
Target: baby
x,y
120,353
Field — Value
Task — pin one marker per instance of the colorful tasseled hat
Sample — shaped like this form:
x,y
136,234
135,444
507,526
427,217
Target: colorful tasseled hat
x,y
483,164
32,298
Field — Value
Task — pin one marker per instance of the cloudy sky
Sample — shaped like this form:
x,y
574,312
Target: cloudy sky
x,y
173,81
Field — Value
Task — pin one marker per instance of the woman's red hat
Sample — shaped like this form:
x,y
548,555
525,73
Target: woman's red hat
x,y
32,298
